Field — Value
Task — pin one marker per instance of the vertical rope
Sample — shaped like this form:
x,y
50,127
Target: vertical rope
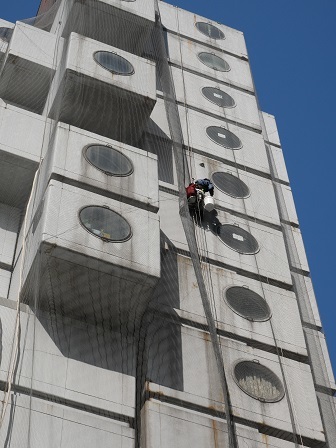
x,y
189,230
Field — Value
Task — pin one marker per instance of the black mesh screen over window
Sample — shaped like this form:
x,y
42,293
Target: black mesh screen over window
x,y
218,97
238,239
210,30
247,303
224,137
230,184
258,381
214,62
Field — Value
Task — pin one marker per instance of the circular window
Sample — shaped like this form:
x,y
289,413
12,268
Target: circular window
x,y
238,239
210,30
258,381
218,97
105,223
224,137
5,33
213,61
247,303
230,184
108,160
114,63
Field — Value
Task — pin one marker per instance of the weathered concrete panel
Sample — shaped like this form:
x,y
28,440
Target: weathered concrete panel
x,y
188,89
283,329
4,282
183,22
83,274
202,385
167,426
83,89
67,359
278,163
271,128
45,424
114,18
290,209
67,159
271,260
239,74
23,139
252,153
9,228
299,258
29,66
260,203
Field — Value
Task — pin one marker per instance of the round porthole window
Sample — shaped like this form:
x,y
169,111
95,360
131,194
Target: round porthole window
x,y
108,160
5,33
105,223
224,137
238,239
114,63
218,97
210,30
247,303
214,62
230,184
258,381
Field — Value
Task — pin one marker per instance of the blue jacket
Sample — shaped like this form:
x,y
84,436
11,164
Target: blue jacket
x,y
206,185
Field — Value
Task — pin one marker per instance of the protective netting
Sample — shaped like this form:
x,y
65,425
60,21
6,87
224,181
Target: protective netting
x,y
131,318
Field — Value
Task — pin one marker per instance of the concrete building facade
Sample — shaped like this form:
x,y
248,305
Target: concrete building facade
x,y
124,320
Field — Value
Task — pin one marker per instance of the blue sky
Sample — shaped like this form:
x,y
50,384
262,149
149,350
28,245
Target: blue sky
x,y
292,53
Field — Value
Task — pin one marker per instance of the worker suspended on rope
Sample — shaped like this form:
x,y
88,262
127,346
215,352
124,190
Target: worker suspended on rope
x,y
199,196
205,185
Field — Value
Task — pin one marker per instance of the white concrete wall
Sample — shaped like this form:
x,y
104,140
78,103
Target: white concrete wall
x,y
299,259
114,18
68,359
278,163
261,202
202,385
85,94
82,275
290,209
314,315
194,125
45,424
60,225
183,22
188,89
35,45
321,364
180,48
23,133
4,282
68,160
252,153
283,329
80,59
271,129
29,66
271,260
9,228
169,426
